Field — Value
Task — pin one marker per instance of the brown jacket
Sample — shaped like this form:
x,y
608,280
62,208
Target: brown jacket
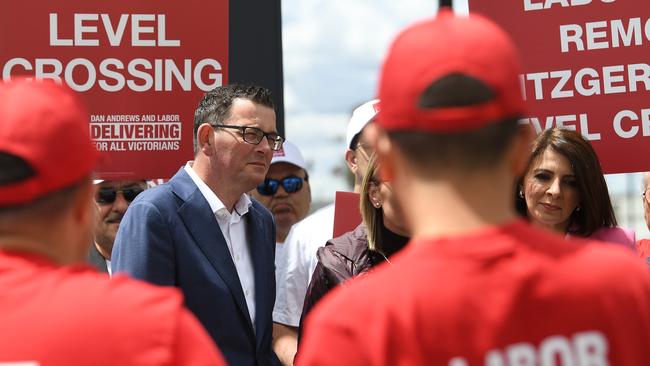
x,y
342,258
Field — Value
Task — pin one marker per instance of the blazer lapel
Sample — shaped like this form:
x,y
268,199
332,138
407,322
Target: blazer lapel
x,y
261,254
200,221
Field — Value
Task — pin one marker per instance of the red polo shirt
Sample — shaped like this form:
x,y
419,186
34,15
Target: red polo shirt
x,y
509,295
53,315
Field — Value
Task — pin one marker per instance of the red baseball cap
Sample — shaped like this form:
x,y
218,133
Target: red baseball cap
x,y
44,124
431,50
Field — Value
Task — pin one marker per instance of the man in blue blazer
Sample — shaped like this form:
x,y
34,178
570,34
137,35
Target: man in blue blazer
x,y
202,233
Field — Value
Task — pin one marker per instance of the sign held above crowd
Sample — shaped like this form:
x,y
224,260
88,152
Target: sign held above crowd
x,y
139,67
586,68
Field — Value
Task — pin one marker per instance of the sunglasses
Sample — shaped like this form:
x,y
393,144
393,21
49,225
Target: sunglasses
x,y
107,196
270,186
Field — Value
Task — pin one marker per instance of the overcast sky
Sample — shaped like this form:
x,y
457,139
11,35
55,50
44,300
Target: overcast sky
x,y
332,54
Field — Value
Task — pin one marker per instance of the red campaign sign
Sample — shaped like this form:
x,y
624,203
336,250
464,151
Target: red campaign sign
x,y
140,67
585,68
346,213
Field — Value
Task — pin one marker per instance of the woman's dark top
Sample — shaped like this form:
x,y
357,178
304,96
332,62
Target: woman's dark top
x,y
345,257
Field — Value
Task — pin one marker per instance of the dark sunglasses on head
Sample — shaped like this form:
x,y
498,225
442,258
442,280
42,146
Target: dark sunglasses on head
x,y
290,184
106,196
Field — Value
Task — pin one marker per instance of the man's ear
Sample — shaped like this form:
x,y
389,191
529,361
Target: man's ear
x,y
82,222
205,139
375,196
351,161
384,149
84,208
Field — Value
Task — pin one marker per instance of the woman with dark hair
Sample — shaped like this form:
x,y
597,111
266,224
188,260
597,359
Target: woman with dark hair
x,y
381,234
564,190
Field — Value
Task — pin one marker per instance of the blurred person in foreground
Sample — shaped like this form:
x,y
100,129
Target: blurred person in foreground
x,y
563,189
312,233
112,198
643,245
55,310
286,193
201,231
381,234
477,285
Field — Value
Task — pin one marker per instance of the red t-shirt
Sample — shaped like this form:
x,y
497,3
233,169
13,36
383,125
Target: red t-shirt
x,y
509,295
53,315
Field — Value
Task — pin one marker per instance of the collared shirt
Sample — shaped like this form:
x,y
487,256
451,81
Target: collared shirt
x,y
233,228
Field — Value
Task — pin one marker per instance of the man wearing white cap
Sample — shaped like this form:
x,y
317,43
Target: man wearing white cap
x,y
359,151
285,191
310,234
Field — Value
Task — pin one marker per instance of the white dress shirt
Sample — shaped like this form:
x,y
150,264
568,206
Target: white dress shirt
x,y
233,228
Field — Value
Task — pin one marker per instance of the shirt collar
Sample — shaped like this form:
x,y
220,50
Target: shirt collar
x,y
241,206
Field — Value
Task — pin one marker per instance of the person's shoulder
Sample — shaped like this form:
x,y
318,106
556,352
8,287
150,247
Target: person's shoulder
x,y
316,219
349,304
119,319
573,252
350,245
119,296
154,194
616,234
84,298
314,230
180,184
599,267
605,255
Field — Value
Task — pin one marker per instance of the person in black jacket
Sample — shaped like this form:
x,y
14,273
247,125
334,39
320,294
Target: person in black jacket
x,y
381,234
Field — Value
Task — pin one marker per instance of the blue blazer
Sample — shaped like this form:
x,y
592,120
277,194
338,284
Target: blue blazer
x,y
170,237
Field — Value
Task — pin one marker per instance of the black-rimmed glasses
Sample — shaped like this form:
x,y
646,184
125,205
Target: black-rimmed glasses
x,y
254,135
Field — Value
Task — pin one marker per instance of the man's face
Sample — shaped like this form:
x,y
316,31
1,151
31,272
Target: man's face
x,y
243,162
112,199
287,208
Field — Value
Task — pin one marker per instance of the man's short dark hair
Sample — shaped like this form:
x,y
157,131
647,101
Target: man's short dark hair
x,y
215,106
355,142
474,149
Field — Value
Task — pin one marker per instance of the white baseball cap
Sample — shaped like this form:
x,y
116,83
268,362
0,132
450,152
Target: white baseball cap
x,y
289,153
360,118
